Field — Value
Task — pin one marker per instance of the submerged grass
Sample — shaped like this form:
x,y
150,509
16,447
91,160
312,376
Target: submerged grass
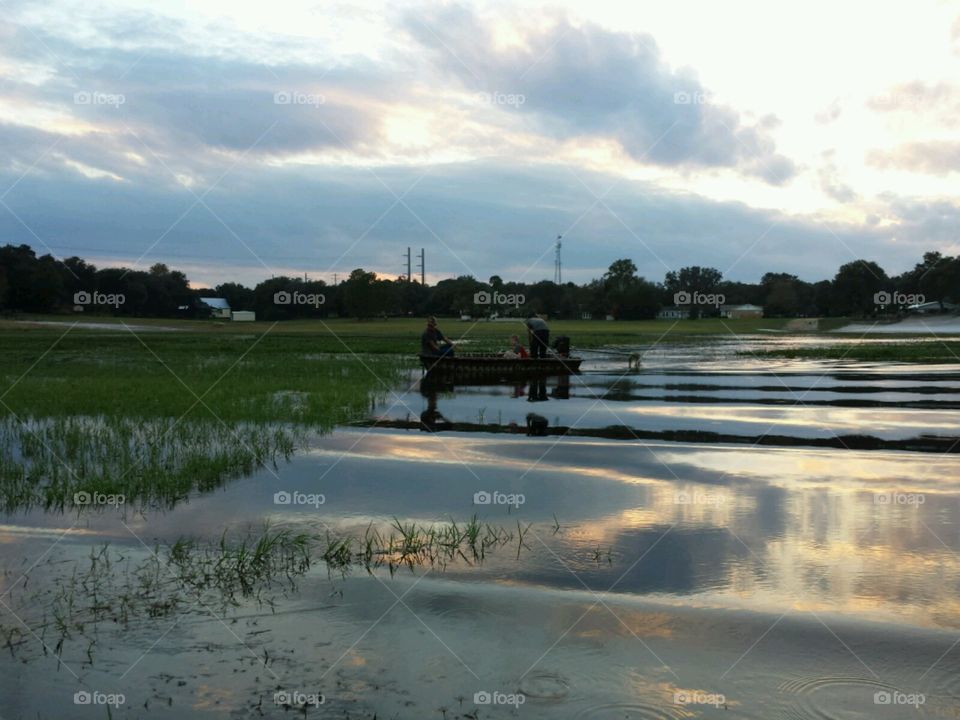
x,y
153,417
113,585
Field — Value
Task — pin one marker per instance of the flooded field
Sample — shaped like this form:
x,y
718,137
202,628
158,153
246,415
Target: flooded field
x,y
709,536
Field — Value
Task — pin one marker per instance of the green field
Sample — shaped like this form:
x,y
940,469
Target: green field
x,y
154,416
402,335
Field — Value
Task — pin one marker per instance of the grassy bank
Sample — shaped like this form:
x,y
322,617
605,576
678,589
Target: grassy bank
x,y
928,351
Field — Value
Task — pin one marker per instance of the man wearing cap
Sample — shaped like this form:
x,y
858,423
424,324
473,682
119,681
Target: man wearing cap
x,y
433,342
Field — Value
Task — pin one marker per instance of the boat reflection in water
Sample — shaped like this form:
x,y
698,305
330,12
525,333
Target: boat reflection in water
x,y
534,390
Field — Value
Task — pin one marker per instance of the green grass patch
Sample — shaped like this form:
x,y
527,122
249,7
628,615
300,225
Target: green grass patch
x,y
151,418
926,351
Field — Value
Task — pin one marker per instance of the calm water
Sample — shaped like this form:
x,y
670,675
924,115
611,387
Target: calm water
x,y
699,544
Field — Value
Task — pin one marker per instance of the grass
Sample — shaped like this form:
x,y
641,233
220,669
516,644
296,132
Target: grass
x,y
113,585
402,335
154,417
928,351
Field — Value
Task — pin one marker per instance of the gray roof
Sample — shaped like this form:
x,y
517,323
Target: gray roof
x,y
216,303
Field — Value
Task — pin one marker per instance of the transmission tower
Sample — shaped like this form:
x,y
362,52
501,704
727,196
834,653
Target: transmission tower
x,y
557,263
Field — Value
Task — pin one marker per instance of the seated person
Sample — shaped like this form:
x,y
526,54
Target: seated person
x,y
433,341
517,350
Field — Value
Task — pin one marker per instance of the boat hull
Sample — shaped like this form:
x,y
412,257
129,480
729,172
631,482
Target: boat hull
x,y
492,365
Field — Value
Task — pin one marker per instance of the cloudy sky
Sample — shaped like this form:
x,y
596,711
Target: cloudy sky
x,y
241,140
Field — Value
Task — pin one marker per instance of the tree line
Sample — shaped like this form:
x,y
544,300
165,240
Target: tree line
x,y
43,284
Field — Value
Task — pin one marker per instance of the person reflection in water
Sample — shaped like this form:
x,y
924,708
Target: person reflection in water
x,y
537,425
431,420
538,390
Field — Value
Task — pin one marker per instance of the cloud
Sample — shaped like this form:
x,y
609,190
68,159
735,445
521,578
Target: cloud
x,y
830,182
932,158
317,221
829,113
585,81
918,97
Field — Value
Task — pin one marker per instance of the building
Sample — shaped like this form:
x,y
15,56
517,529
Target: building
x,y
219,306
244,316
741,311
673,313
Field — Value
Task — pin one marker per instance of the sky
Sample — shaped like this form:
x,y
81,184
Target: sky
x,y
236,141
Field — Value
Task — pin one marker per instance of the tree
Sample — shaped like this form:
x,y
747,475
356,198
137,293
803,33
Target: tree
x,y
855,287
695,282
238,296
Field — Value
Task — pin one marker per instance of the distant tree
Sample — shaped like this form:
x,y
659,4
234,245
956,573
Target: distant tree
x,y
694,280
238,296
361,294
855,286
781,295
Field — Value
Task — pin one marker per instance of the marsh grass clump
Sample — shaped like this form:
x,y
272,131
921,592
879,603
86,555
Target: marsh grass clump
x,y
61,462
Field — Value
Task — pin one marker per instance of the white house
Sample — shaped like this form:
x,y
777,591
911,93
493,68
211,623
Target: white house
x,y
219,306
741,311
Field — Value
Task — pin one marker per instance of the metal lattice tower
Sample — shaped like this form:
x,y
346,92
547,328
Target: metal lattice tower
x,y
557,263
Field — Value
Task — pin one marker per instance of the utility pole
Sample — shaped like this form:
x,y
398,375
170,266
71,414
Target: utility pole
x,y
335,278
409,276
423,268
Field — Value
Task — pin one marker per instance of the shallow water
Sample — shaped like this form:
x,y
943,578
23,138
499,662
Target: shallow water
x,y
656,579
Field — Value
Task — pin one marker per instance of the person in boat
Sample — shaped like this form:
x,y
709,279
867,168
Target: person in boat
x,y
517,351
539,333
433,342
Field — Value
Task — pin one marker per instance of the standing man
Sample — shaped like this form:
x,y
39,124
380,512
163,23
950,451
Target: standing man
x,y
433,342
539,333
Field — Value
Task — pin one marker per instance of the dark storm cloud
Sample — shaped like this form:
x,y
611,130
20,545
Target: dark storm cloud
x,y
306,219
587,81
